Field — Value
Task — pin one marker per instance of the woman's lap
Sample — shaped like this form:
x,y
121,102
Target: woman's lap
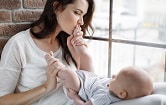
x,y
157,98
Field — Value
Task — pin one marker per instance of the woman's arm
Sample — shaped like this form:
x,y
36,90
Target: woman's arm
x,y
28,97
12,63
23,98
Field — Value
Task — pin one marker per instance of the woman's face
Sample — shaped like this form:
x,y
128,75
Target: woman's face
x,y
72,16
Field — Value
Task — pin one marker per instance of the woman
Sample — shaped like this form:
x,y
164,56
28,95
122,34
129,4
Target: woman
x,y
25,78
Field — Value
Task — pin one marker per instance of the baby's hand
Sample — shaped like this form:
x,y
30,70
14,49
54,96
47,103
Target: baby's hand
x,y
72,94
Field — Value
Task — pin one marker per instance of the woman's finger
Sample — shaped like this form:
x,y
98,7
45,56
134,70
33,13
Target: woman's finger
x,y
57,65
52,60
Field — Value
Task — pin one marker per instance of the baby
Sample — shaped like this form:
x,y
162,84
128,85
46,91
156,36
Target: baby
x,y
130,82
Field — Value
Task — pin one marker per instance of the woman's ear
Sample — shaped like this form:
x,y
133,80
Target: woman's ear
x,y
123,94
55,4
57,7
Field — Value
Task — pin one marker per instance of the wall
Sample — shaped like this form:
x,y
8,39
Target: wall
x,y
16,15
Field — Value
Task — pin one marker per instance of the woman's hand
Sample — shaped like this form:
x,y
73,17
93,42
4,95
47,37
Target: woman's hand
x,y
51,82
54,65
53,62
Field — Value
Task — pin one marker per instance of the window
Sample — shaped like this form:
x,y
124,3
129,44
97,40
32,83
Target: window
x,y
136,36
99,45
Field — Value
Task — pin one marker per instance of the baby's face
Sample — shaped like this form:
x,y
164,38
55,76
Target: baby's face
x,y
114,85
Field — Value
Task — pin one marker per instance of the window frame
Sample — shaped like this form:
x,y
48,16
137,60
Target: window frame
x,y
110,40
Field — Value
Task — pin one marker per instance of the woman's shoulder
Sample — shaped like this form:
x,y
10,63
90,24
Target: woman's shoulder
x,y
20,35
19,38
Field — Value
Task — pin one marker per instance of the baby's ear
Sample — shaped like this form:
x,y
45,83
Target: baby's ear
x,y
122,94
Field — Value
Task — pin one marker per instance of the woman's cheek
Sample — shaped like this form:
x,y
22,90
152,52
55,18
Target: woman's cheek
x,y
69,22
72,24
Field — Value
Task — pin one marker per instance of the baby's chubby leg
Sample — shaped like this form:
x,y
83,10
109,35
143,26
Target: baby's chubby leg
x,y
71,79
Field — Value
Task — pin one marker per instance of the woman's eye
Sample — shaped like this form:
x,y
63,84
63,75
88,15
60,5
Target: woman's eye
x,y
77,13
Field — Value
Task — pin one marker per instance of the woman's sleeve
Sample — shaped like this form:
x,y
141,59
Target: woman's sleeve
x,y
10,67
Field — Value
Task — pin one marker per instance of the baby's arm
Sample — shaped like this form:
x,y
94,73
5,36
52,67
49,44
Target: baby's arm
x,y
70,77
76,99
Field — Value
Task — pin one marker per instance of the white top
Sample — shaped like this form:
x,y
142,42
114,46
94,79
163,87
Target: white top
x,y
23,67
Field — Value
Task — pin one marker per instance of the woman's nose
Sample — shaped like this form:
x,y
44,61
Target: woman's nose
x,y
81,21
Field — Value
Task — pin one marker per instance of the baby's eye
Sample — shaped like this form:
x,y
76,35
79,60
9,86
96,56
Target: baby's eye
x,y
107,85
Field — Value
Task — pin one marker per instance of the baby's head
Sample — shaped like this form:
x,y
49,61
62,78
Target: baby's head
x,y
131,82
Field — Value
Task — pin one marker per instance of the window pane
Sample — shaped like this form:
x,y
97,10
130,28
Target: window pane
x,y
99,52
151,59
101,18
140,20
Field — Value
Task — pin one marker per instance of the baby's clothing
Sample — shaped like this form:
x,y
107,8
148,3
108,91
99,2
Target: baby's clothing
x,y
94,88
